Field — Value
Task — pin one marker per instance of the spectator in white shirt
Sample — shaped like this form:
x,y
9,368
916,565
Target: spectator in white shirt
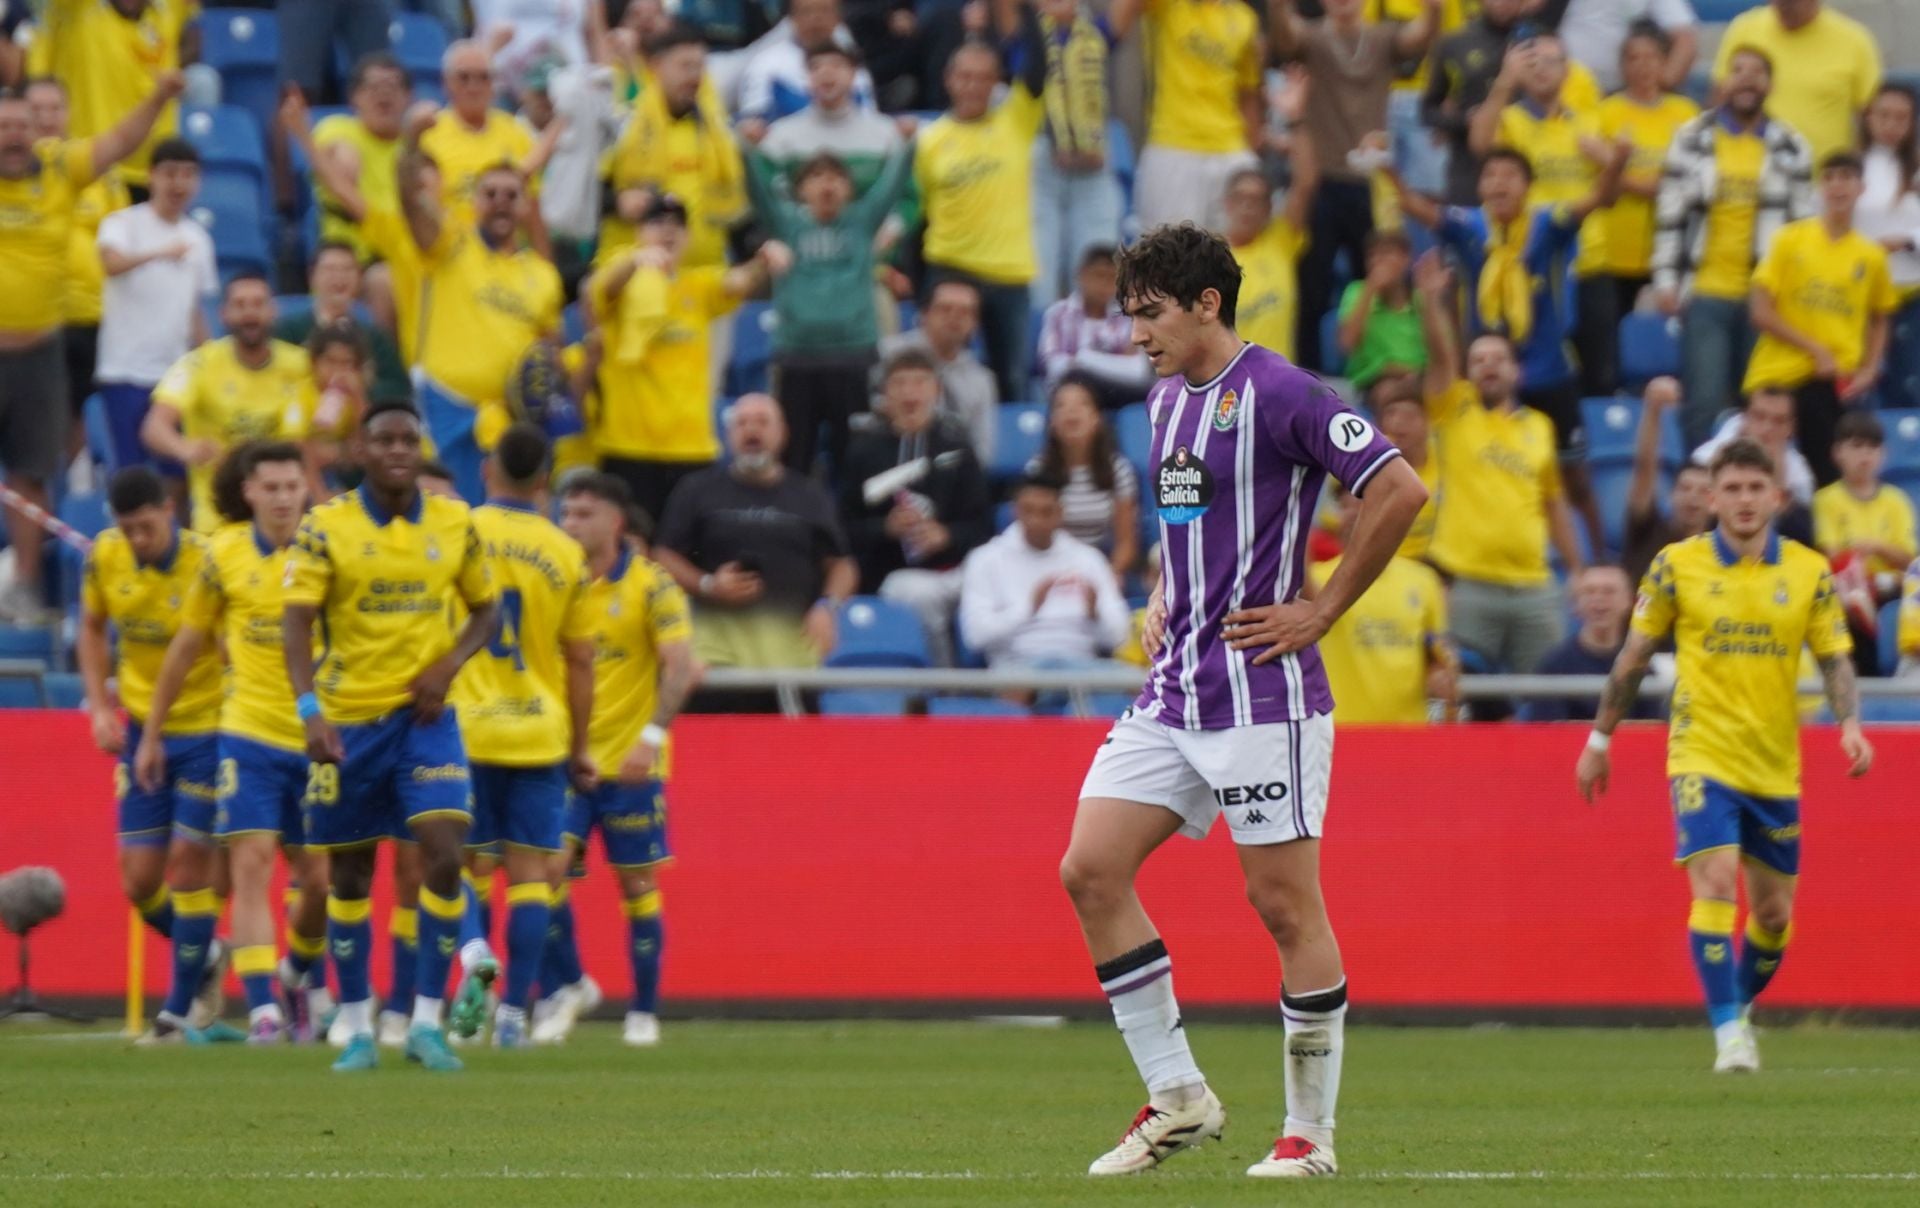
x,y
1889,211
1087,332
528,33
1768,419
774,82
160,270
1036,596
1099,490
581,97
1594,30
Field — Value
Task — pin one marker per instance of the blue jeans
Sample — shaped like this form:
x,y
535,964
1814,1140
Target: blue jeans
x,y
1420,159
308,29
1900,383
1072,211
1715,341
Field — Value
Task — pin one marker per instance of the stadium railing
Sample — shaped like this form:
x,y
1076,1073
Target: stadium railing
x,y
1079,687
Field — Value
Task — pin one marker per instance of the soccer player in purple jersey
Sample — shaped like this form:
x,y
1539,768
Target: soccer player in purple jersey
x,y
1234,718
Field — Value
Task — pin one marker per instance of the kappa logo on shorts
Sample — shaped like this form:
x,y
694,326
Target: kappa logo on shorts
x,y
1273,792
1255,818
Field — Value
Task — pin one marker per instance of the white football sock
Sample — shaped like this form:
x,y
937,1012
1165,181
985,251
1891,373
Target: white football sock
x,y
1139,984
473,952
269,1011
357,1017
1316,1040
426,1012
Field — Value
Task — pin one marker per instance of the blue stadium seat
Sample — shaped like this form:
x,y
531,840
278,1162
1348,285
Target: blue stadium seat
x,y
22,642
1610,483
1895,710
20,692
1907,480
974,706
87,513
93,415
1648,349
1612,425
1723,10
1022,431
752,349
1889,637
226,136
1133,431
418,42
870,703
229,207
243,45
64,690
879,633
1903,438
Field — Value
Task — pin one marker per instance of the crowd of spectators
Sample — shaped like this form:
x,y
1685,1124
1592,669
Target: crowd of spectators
x,y
1447,206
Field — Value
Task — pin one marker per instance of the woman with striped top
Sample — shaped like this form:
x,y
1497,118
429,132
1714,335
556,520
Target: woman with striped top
x,y
1101,500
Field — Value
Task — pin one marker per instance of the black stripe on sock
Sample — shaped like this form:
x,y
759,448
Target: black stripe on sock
x,y
1318,1001
1127,962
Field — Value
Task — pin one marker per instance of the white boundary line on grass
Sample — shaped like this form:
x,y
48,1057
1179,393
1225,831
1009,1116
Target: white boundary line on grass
x,y
510,1174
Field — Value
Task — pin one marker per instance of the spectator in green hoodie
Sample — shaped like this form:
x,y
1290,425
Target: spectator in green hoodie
x,y
824,342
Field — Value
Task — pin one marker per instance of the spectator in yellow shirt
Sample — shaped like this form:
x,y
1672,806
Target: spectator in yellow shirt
x,y
484,303
1909,636
470,136
1860,514
1826,67
86,276
677,143
1528,112
112,55
1401,412
1389,654
244,386
40,186
1647,116
1207,115
364,147
653,422
1503,499
974,169
1268,249
1822,301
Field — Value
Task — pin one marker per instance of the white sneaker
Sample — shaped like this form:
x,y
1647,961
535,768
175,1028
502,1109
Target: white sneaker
x,y
1157,1134
553,1017
210,999
392,1030
1295,1158
642,1030
586,996
1738,1054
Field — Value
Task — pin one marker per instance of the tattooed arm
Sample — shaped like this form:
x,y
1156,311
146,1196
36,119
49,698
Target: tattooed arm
x,y
1843,697
1623,689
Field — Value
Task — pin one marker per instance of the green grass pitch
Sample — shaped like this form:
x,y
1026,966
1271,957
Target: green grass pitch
x,y
956,1113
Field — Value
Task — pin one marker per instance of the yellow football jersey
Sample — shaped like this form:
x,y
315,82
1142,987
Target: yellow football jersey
x,y
379,178
1562,173
37,215
1419,539
226,401
1270,286
110,63
631,614
1826,289
512,696
480,311
1377,653
143,603
383,584
1492,463
976,185
655,387
86,275
239,596
1202,55
1841,519
1629,221
1738,628
463,153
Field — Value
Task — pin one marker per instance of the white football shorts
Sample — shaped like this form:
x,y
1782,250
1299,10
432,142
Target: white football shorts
x,y
1269,780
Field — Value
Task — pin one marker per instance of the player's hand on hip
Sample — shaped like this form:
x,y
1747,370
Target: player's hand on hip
x,y
1153,630
1592,773
109,732
1859,752
323,742
637,767
1281,628
150,763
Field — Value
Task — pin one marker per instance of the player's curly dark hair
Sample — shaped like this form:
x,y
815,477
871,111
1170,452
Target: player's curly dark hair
x,y
1179,262
230,476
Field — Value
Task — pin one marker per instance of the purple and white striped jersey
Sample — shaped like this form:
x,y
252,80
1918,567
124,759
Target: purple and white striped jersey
x,y
1236,470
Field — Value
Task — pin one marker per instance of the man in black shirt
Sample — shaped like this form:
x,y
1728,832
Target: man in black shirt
x,y
1603,599
1464,68
759,551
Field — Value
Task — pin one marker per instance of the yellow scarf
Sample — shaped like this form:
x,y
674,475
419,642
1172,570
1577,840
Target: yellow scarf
x,y
1076,92
1505,295
639,159
644,303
